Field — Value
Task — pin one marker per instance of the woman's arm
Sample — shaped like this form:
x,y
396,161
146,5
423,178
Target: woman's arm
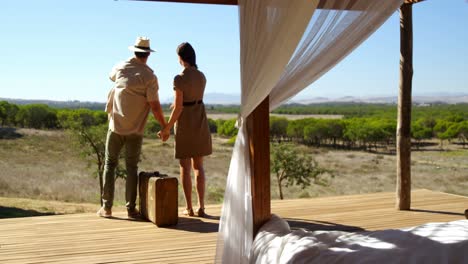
x,y
176,111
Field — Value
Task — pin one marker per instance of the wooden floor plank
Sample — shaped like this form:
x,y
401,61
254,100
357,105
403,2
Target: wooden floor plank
x,y
86,238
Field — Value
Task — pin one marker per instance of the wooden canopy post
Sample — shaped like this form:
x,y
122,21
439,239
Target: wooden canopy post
x,y
404,109
258,127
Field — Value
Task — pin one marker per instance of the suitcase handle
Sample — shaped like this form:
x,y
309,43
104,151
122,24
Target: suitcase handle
x,y
151,174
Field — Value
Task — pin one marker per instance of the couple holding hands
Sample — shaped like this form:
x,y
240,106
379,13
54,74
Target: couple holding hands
x,y
129,102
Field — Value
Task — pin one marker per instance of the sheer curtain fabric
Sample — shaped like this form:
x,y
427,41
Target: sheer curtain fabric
x,y
333,32
270,31
285,46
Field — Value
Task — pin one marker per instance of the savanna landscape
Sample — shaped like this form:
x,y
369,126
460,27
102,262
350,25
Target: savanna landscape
x,y
51,170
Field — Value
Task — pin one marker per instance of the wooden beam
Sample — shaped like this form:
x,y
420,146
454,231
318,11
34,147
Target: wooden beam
x,y
214,2
258,127
404,109
323,4
413,1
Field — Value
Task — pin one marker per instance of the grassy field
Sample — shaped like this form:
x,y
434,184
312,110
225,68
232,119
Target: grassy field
x,y
39,171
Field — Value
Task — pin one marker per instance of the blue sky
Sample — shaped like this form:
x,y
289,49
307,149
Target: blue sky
x,y
64,50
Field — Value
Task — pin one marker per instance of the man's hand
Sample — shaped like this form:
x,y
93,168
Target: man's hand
x,y
164,135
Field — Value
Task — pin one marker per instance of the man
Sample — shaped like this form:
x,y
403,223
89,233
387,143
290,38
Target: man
x,y
135,93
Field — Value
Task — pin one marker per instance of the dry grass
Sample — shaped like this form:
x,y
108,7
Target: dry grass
x,y
362,172
41,165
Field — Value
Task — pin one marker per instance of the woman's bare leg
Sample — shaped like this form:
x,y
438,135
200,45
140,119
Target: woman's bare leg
x,y
186,180
197,164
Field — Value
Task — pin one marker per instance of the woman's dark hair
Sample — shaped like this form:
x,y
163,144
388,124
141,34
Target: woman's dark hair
x,y
142,54
187,54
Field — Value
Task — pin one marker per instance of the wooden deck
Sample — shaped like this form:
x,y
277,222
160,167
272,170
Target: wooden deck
x,y
86,238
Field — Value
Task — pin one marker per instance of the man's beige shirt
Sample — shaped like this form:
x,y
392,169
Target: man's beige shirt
x,y
127,102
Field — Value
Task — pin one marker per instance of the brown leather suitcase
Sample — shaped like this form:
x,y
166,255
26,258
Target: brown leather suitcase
x,y
158,198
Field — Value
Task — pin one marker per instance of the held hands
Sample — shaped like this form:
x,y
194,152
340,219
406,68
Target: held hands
x,y
164,134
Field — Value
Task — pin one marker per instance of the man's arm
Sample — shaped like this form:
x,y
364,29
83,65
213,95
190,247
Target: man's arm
x,y
110,103
158,113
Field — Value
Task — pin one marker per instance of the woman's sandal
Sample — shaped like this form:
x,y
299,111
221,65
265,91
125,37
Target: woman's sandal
x,y
201,212
188,212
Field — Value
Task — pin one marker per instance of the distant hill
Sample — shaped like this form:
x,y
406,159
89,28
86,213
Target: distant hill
x,y
234,99
417,99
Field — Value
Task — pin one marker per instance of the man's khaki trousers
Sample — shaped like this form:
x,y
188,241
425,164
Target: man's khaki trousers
x,y
114,144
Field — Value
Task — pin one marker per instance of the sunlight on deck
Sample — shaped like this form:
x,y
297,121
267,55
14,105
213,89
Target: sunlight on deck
x,y
86,238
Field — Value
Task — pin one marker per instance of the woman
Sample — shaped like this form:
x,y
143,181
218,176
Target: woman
x,y
192,133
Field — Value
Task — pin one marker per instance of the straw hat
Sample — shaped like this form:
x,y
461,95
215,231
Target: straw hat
x,y
142,44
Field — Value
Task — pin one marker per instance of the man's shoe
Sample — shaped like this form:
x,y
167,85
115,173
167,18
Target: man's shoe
x,y
133,213
104,212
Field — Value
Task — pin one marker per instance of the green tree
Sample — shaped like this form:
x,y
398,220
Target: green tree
x,y
462,132
428,122
228,128
356,131
37,116
370,132
455,117
3,112
322,131
12,110
452,131
440,130
335,130
315,132
20,117
419,132
91,141
213,125
295,129
219,124
278,128
294,168
7,113
81,117
89,138
152,127
380,131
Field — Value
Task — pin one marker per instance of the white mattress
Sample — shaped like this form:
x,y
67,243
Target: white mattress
x,y
428,243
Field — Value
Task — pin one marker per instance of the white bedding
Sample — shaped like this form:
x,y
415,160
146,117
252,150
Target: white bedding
x,y
428,243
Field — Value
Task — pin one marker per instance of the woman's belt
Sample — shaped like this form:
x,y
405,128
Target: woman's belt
x,y
193,103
